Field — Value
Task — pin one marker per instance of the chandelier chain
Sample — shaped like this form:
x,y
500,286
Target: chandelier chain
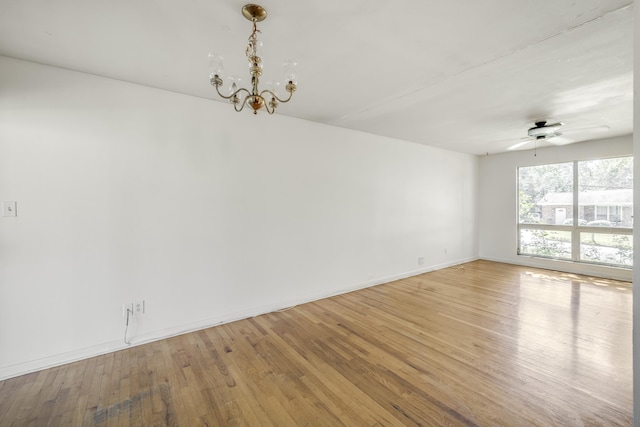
x,y
252,47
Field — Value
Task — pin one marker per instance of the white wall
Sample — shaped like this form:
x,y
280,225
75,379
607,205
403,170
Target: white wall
x,y
498,203
127,192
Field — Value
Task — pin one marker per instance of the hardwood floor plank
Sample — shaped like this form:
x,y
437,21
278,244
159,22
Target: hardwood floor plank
x,y
482,343
10,391
22,411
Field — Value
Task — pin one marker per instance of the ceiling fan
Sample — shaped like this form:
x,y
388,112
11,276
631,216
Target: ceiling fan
x,y
551,132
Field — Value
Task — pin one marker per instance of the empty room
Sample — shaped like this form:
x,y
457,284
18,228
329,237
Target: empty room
x,y
317,213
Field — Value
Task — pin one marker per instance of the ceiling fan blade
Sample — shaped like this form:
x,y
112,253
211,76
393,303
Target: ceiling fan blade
x,y
587,129
553,125
558,140
520,144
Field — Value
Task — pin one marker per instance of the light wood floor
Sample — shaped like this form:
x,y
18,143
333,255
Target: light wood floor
x,y
479,344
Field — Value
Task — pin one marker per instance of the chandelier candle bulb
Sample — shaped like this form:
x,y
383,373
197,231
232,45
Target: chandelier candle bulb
x,y
253,97
235,82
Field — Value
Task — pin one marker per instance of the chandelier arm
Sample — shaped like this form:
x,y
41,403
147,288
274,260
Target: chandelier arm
x,y
266,106
233,94
242,104
238,91
276,96
269,106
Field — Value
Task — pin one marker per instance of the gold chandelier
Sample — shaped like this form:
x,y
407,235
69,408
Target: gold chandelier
x,y
253,97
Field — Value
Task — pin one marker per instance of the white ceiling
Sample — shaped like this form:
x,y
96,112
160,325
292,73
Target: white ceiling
x,y
467,76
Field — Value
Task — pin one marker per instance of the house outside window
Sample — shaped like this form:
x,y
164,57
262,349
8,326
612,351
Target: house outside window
x,y
578,211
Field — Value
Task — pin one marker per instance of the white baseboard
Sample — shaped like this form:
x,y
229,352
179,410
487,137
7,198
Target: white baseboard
x,y
109,347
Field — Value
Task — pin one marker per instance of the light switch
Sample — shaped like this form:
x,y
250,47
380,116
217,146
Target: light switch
x,y
9,209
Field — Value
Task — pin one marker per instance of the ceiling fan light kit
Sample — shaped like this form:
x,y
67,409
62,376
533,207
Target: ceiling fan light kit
x,y
542,130
253,97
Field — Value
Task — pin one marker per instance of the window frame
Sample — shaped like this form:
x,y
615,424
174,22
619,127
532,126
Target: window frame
x,y
575,228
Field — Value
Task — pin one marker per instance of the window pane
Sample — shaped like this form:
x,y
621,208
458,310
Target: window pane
x,y
547,243
605,192
546,194
614,249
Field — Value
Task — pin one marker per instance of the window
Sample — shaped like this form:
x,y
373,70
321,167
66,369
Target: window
x,y
579,211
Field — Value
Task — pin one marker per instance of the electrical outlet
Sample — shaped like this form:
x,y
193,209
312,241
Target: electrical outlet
x,y
128,306
138,307
420,260
9,209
